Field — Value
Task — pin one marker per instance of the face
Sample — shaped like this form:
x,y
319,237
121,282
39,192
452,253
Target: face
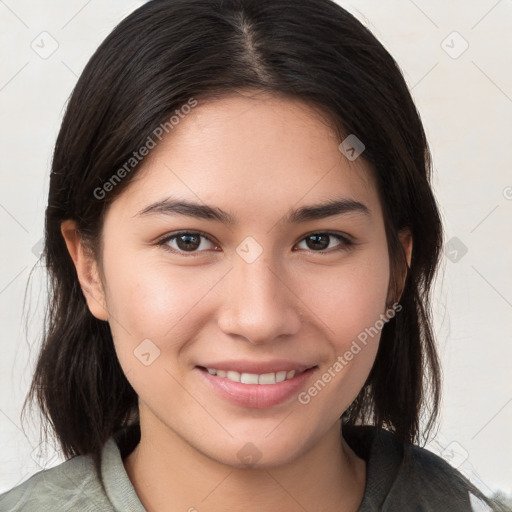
x,y
257,290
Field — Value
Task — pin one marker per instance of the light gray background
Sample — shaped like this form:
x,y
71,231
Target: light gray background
x,y
465,100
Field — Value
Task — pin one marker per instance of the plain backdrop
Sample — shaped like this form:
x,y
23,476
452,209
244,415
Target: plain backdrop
x,y
456,57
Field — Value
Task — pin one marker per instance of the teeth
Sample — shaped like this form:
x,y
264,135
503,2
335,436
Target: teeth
x,y
234,376
267,378
253,378
249,378
280,376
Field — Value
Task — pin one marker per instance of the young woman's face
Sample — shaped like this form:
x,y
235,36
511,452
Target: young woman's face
x,y
272,291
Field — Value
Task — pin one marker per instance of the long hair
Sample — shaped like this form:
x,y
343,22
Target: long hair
x,y
153,62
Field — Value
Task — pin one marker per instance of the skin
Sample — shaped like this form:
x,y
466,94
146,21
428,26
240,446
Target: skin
x,y
256,156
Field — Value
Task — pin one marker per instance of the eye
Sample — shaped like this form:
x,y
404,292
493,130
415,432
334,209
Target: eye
x,y
319,242
186,242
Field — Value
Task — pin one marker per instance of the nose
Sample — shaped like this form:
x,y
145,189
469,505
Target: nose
x,y
259,303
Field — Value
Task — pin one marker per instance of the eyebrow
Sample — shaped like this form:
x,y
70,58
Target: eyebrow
x,y
331,208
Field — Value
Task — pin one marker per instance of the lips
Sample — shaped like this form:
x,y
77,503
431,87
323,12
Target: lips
x,y
255,385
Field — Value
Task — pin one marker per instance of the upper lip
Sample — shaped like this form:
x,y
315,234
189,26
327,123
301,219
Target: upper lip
x,y
259,367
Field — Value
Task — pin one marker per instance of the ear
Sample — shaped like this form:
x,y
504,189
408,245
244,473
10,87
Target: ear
x,y
400,272
86,269
405,238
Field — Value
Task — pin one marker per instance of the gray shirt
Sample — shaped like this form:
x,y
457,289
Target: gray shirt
x,y
400,477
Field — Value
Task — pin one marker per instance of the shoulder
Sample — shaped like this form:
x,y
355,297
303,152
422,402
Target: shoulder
x,y
403,476
71,485
433,480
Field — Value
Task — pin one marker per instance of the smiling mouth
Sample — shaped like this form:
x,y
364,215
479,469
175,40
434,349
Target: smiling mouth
x,y
254,378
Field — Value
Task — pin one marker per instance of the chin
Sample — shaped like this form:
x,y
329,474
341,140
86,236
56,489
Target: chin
x,y
258,451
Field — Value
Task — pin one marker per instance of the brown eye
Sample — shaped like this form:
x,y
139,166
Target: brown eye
x,y
187,242
319,242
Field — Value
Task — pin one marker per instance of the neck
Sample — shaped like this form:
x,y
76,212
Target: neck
x,y
168,474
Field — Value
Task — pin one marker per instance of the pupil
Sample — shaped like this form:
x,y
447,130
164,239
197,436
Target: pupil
x,y
185,246
317,238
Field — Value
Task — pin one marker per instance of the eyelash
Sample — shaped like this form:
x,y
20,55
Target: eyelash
x,y
345,244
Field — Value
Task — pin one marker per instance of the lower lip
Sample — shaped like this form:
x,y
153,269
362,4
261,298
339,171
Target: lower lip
x,y
256,396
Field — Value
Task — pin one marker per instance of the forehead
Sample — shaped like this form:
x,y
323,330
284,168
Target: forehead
x,y
249,153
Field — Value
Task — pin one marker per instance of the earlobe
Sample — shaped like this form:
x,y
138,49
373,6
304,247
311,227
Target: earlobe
x,y
86,269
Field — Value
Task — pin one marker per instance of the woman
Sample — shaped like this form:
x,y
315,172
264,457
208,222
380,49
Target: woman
x,y
241,238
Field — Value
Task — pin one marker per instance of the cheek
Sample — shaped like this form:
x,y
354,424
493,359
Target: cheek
x,y
149,298
351,296
351,302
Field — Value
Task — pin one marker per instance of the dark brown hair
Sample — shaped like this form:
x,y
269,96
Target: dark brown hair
x,y
154,61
